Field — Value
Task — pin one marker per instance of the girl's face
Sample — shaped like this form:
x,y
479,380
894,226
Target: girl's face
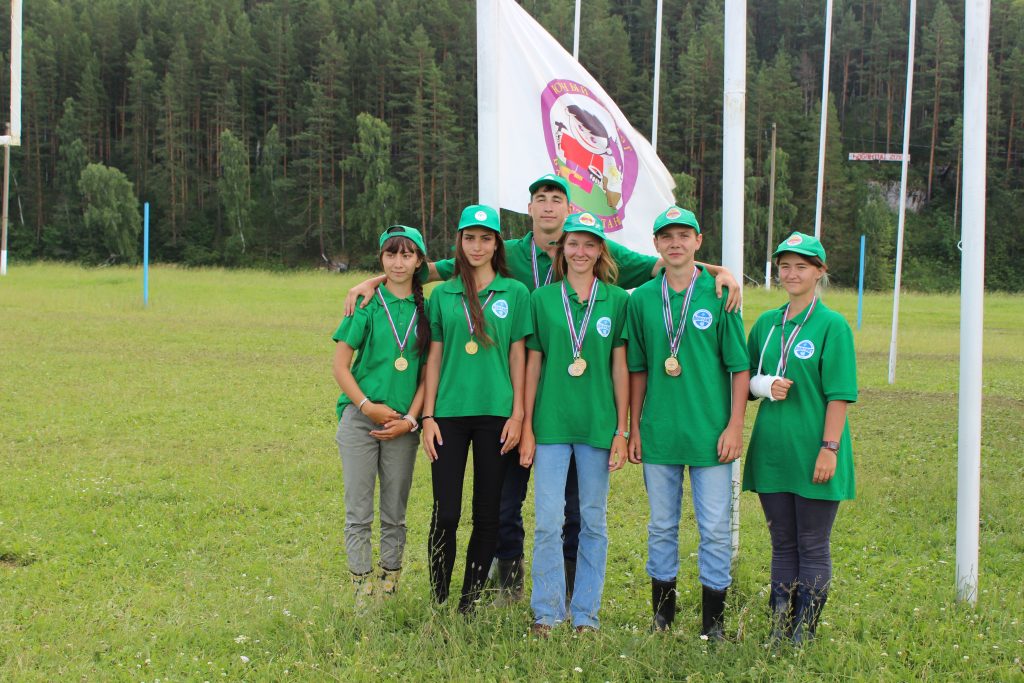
x,y
400,266
677,244
582,251
797,275
478,244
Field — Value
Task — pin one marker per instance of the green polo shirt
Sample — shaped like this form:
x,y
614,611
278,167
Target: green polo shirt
x,y
368,332
477,384
634,269
684,416
787,434
576,409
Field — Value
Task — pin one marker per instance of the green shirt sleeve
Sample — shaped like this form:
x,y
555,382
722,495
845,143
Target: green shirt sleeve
x,y
353,328
636,352
434,313
839,362
522,316
634,268
732,344
621,334
445,269
533,341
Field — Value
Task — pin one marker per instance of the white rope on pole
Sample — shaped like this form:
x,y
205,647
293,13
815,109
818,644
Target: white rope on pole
x,y
657,77
972,299
903,194
824,118
733,169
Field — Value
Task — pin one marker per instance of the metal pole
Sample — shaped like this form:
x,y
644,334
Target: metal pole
x,y
576,33
824,118
488,160
3,212
145,254
771,220
903,194
860,285
972,298
733,167
657,77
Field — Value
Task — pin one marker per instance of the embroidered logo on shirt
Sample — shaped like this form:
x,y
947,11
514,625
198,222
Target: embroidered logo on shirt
x,y
702,319
604,326
500,308
804,350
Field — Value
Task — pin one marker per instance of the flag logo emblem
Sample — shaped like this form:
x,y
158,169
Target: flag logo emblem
x,y
589,150
702,319
804,349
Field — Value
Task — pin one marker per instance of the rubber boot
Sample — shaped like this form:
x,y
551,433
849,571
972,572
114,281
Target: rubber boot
x,y
808,605
713,613
663,600
362,589
570,580
387,580
508,577
780,612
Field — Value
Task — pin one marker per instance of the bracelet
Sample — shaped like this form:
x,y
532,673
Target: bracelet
x,y
424,418
360,406
623,434
412,421
831,445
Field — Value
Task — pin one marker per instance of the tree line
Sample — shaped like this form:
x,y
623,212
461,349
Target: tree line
x,y
286,133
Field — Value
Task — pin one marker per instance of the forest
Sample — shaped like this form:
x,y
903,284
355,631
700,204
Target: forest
x,y
287,133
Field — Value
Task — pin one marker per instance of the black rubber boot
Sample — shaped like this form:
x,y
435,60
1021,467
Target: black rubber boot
x,y
663,600
570,579
509,580
807,608
713,613
780,612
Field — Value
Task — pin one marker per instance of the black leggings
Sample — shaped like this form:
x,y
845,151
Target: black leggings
x,y
800,529
447,475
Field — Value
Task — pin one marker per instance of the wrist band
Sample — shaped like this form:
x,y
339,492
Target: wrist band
x,y
412,421
424,418
618,433
360,406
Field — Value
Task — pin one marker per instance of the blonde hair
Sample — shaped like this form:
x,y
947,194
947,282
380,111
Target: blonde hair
x,y
606,270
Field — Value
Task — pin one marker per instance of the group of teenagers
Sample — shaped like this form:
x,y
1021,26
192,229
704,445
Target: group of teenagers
x,y
532,355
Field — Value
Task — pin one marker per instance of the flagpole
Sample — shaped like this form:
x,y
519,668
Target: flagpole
x,y
771,219
657,77
824,118
972,299
733,167
903,194
576,33
488,162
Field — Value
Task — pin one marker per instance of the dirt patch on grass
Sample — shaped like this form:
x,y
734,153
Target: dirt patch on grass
x,y
15,560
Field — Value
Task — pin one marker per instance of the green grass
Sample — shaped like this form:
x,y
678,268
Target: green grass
x,y
170,501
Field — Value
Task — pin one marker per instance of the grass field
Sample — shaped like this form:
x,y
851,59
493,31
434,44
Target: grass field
x,y
170,507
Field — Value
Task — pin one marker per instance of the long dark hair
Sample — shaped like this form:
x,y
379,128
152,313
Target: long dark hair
x,y
464,271
401,245
606,270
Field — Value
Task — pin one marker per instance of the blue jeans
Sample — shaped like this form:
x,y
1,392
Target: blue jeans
x,y
510,516
712,506
548,592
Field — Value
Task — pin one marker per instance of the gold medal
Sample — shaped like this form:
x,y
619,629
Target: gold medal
x,y
472,347
672,367
675,373
577,367
401,364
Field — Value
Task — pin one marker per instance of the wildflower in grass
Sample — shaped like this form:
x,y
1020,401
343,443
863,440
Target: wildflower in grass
x,y
245,660
241,639
577,669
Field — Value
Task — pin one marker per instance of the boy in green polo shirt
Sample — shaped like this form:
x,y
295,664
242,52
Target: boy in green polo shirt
x,y
683,346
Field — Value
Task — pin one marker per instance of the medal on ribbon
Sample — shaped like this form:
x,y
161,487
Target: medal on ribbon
x,y
578,365
675,333
472,346
401,364
787,345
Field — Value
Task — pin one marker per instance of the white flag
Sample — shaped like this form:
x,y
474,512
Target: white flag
x,y
541,112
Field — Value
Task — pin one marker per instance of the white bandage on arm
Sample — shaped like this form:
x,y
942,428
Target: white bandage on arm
x,y
761,385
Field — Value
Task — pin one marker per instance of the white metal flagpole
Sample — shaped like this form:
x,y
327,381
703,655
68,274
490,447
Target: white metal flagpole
x,y
972,298
733,167
903,194
576,33
824,118
657,77
488,162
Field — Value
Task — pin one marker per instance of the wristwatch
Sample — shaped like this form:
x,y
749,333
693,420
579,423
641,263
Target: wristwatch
x,y
831,445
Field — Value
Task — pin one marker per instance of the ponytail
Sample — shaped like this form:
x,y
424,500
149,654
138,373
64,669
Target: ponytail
x,y
422,322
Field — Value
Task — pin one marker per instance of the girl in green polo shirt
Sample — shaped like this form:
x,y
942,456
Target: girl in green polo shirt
x,y
473,396
381,393
577,399
800,460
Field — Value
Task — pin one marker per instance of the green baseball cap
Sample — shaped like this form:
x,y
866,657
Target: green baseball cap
x,y
417,238
584,222
550,179
480,216
676,215
802,244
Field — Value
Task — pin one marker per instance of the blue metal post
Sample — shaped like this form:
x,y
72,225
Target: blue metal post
x,y
860,285
145,254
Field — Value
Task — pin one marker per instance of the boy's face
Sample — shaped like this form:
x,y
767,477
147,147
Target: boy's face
x,y
548,208
677,244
